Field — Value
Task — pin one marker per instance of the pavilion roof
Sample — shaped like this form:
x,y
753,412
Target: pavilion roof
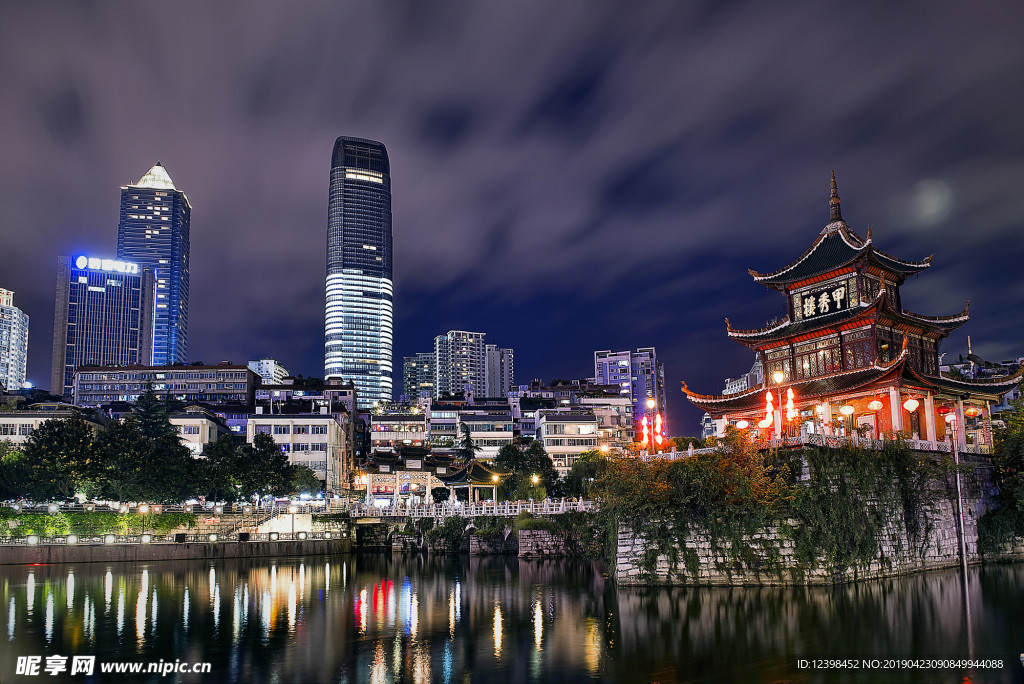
x,y
836,247
787,329
849,381
474,472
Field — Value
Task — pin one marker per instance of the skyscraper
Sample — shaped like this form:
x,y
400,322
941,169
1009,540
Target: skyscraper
x,y
418,375
101,317
460,360
500,375
153,232
13,342
358,323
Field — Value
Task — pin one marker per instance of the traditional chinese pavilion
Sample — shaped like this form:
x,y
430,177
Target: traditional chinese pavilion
x,y
848,358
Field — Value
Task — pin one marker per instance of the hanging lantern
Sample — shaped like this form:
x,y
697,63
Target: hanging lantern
x,y
768,397
764,423
847,410
911,405
875,405
778,377
950,418
943,410
790,409
972,411
742,425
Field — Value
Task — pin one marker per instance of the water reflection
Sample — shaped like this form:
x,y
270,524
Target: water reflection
x,y
423,619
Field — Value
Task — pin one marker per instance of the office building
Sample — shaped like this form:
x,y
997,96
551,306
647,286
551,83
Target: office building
x,y
17,426
13,343
153,232
639,375
320,441
101,317
499,371
418,375
360,303
223,383
270,371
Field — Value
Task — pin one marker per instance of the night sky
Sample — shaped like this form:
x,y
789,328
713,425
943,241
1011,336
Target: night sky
x,y
567,176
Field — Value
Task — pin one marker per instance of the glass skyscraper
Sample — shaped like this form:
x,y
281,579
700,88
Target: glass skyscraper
x,y
154,232
360,297
102,317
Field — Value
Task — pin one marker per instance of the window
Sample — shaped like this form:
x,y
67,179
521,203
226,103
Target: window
x,y
818,357
190,429
262,429
25,430
280,429
301,430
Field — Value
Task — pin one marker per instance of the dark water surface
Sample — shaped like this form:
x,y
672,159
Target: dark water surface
x,y
383,618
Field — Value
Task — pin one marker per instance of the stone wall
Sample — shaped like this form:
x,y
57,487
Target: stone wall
x,y
540,544
493,545
769,557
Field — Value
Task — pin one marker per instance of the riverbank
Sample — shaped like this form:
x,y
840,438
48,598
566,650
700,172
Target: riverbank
x,y
134,553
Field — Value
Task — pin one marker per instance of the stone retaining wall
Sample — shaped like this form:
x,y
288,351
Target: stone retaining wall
x,y
540,544
493,545
768,558
135,553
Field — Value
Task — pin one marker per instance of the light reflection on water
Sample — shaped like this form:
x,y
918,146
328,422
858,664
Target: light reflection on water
x,y
369,618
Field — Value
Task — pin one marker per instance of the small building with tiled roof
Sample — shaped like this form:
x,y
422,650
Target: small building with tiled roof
x,y
849,358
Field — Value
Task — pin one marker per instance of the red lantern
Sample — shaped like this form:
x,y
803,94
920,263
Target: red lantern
x,y
972,411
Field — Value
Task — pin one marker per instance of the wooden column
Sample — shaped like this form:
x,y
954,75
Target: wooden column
x,y
929,418
896,408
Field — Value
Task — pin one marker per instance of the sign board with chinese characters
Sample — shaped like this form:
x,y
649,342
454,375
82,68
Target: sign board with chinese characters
x,y
821,302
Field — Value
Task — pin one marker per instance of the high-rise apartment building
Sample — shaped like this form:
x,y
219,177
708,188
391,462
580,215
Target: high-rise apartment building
x,y
461,361
13,343
358,327
153,232
638,374
102,317
500,376
418,375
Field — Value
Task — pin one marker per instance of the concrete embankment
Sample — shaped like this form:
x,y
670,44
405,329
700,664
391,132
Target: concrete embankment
x,y
133,553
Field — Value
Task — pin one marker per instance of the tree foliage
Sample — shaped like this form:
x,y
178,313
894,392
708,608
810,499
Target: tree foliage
x,y
59,458
588,468
467,447
152,417
14,471
304,480
523,461
264,469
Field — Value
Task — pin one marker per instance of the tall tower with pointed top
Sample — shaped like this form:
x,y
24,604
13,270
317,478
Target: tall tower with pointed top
x,y
358,327
154,232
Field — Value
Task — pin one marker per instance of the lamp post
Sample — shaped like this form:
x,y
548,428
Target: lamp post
x,y
494,489
144,509
292,509
951,419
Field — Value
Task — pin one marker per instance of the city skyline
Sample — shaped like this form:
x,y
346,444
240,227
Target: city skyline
x,y
607,191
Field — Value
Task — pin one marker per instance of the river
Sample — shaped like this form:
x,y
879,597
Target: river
x,y
384,618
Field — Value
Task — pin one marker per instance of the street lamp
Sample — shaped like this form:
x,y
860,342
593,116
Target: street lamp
x,y
143,509
293,510
951,419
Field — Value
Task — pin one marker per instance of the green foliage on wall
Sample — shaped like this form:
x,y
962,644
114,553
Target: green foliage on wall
x,y
90,524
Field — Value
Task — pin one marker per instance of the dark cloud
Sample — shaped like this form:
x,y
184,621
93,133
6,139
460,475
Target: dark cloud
x,y
567,176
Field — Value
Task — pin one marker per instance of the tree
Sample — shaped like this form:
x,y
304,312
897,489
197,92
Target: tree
x,y
683,443
222,471
120,469
305,481
1008,458
151,416
467,447
523,461
14,472
588,468
265,470
58,457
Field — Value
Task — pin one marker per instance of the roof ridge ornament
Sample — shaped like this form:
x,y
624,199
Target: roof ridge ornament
x,y
868,239
833,202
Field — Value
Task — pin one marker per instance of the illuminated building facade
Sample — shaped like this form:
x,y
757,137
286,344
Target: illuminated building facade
x,y
153,231
13,343
101,318
224,383
418,375
360,301
639,376
849,361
